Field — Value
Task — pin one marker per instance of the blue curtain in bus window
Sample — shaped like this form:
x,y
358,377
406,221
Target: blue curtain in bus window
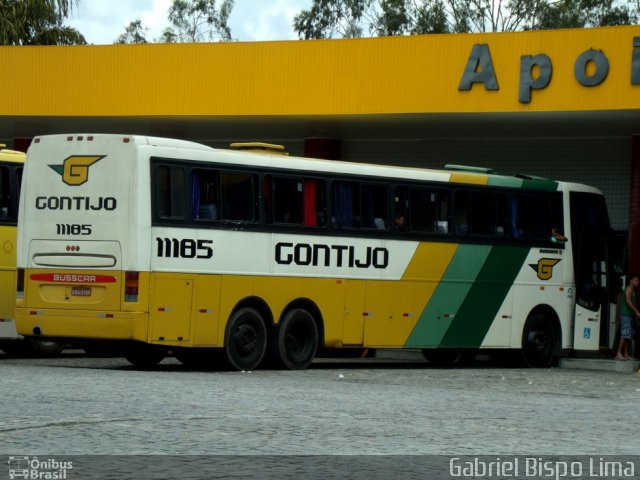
x,y
342,205
195,195
514,218
337,218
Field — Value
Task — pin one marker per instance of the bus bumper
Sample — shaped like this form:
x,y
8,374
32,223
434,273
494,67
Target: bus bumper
x,y
8,329
82,324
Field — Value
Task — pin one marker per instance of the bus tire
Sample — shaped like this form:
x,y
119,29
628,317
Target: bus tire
x,y
538,341
145,356
43,348
246,339
296,340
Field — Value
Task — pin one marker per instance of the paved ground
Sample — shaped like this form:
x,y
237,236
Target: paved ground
x,y
75,405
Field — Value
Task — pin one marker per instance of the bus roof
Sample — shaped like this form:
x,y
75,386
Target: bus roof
x,y
454,173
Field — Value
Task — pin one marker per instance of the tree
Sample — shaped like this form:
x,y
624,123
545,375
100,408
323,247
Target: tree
x,y
191,20
134,33
585,13
331,18
37,22
198,20
335,18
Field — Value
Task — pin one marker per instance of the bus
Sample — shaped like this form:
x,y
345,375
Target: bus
x,y
251,257
11,164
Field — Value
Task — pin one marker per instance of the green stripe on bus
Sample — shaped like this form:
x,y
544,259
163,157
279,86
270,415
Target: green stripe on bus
x,y
448,296
486,295
512,182
540,184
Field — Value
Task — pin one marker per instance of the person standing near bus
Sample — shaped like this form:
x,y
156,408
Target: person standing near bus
x,y
628,315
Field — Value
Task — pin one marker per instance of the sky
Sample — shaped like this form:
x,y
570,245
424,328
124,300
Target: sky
x,y
102,21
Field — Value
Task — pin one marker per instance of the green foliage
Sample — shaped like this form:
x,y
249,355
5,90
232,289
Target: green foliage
x,y
198,21
585,13
345,18
135,32
331,18
191,21
37,22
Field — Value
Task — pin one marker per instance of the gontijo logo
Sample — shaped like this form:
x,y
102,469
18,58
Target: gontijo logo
x,y
544,267
75,169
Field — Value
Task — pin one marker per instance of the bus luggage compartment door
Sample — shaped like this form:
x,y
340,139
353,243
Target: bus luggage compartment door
x,y
170,308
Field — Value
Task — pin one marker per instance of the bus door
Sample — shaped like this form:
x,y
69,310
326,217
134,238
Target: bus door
x,y
591,320
618,257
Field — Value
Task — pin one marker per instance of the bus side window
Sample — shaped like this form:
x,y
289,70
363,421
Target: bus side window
x,y
401,208
5,196
462,212
315,203
204,194
532,216
489,214
238,197
429,210
346,205
287,200
375,206
170,192
295,200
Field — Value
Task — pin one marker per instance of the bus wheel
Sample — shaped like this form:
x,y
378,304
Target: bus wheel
x,y
442,357
297,340
145,356
43,348
538,342
246,339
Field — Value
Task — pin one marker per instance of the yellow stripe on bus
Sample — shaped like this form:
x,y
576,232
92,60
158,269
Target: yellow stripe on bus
x,y
472,178
430,261
425,270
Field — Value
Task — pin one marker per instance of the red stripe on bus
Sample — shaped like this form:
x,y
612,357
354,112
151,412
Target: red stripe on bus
x,y
72,278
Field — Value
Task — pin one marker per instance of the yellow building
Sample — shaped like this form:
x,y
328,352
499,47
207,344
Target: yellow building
x,y
563,104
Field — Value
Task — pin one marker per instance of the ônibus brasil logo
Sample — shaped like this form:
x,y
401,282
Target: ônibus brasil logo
x,y
34,468
75,169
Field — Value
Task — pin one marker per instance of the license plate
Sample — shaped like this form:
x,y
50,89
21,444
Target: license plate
x,y
81,291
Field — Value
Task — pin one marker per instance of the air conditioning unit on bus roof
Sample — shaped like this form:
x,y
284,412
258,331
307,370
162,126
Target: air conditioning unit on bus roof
x,y
468,168
260,147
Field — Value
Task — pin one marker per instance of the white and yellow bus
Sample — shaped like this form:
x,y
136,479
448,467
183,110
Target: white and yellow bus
x,y
255,257
11,164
